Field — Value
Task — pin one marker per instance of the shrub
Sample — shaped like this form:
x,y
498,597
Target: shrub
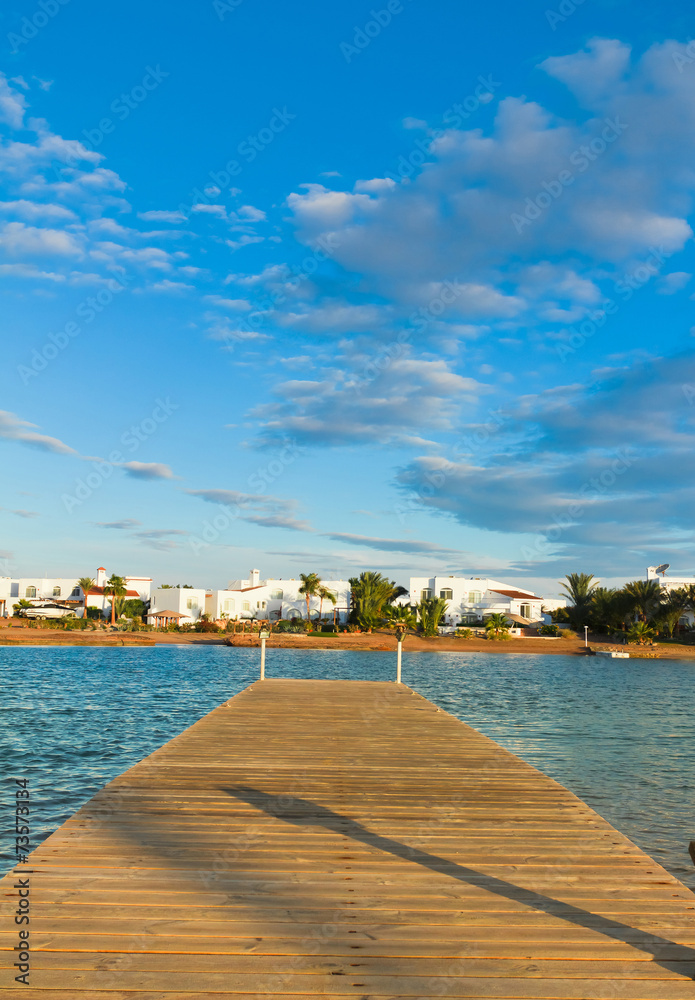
x,y
549,630
464,633
206,626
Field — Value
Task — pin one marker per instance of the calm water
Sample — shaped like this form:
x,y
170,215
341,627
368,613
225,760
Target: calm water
x,y
618,733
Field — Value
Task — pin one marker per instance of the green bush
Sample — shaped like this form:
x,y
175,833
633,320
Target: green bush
x,y
549,630
293,625
464,633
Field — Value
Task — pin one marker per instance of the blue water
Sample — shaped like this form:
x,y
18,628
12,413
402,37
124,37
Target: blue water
x,y
618,733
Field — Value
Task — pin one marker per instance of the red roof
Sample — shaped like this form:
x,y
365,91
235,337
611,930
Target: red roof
x,y
101,567
518,595
99,592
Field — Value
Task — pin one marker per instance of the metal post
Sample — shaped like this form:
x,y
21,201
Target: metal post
x,y
263,634
586,635
400,656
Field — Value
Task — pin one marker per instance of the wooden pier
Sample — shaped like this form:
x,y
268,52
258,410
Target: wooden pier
x,y
344,839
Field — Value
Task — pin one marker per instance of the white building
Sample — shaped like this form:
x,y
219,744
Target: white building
x,y
186,603
5,596
471,599
668,583
67,591
275,599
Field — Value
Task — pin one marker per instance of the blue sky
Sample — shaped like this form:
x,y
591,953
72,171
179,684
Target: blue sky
x,y
404,287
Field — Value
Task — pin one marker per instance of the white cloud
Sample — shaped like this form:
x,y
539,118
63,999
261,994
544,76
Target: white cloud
x,y
671,283
14,428
162,216
18,240
147,470
342,408
12,104
31,211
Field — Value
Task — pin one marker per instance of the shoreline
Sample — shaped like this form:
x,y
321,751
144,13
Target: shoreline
x,y
375,642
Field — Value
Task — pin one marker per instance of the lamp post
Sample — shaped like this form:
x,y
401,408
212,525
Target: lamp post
x,y
586,635
263,634
400,632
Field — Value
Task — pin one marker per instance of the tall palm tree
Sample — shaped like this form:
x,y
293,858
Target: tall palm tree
x,y
371,593
579,588
116,587
643,596
85,583
673,605
311,584
326,595
431,611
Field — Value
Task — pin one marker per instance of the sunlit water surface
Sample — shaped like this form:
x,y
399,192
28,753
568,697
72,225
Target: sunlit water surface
x,y
618,733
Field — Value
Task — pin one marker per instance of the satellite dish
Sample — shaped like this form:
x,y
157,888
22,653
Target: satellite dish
x,y
662,569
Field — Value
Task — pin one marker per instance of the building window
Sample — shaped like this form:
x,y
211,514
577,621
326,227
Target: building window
x,y
75,592
276,595
425,595
260,604
30,592
228,606
446,595
475,597
525,610
56,591
246,606
192,604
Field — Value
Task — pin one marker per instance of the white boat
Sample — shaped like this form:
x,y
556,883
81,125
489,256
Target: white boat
x,y
613,654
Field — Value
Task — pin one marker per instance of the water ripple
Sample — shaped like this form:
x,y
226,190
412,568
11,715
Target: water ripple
x,y
618,733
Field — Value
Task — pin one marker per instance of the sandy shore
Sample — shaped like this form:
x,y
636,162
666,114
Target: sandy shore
x,y
12,634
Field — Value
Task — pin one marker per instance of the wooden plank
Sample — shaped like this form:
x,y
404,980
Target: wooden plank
x,y
345,839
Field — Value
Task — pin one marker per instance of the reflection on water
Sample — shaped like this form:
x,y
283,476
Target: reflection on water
x,y
618,733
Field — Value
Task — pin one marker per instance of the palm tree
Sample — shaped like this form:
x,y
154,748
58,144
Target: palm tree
x,y
400,614
673,604
643,596
371,593
431,611
579,588
608,609
311,584
116,587
85,583
496,625
326,595
639,633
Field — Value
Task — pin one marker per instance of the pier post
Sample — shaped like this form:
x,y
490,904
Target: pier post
x,y
263,634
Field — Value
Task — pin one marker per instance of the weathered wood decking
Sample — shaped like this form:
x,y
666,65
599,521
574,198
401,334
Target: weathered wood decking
x,y
345,839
